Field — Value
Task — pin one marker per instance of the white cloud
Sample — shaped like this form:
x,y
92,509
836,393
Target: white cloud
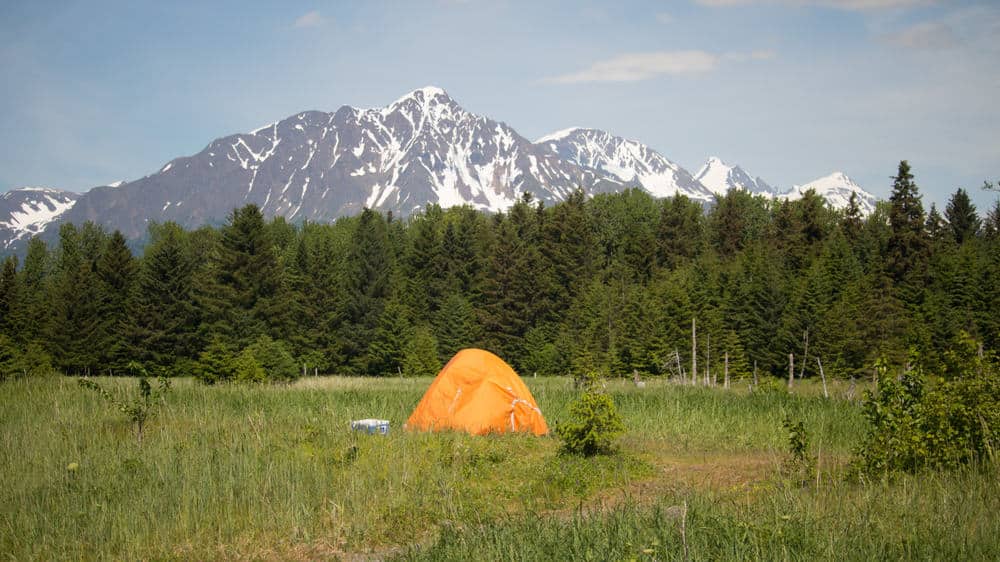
x,y
764,54
856,5
310,19
934,35
632,67
664,17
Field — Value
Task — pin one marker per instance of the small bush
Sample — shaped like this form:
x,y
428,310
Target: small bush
x,y
275,360
263,361
15,363
215,363
594,422
800,464
918,421
421,356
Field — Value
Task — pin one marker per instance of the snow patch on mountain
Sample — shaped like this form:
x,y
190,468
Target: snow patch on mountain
x,y
719,177
626,160
28,210
836,188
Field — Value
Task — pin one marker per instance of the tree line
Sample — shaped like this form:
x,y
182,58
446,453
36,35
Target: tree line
x,y
611,283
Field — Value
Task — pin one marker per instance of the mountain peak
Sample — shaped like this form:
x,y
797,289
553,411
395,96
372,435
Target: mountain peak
x,y
719,177
558,135
425,95
836,189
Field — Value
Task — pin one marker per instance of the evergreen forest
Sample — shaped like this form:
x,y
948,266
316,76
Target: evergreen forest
x,y
616,283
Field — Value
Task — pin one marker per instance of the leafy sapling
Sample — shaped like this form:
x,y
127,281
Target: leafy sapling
x,y
138,408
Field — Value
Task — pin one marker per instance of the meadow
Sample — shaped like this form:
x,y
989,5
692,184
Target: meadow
x,y
272,472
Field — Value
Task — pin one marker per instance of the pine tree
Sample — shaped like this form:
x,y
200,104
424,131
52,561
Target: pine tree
x,y
421,356
116,270
246,295
962,217
907,244
393,333
164,317
680,231
456,326
9,296
73,325
936,227
31,310
852,222
568,245
425,284
366,288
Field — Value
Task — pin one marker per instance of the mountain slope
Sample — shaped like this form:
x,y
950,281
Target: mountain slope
x,y
628,161
719,177
26,211
423,148
836,188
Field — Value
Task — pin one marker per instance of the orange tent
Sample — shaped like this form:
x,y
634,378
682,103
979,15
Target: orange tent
x,y
479,393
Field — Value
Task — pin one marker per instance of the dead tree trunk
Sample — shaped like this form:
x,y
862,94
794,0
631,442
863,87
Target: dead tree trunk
x,y
823,376
805,354
708,359
755,373
791,369
725,380
694,352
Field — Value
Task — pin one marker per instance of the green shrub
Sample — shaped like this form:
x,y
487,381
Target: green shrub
x,y
275,360
16,363
917,421
215,363
246,368
594,422
421,356
265,360
800,464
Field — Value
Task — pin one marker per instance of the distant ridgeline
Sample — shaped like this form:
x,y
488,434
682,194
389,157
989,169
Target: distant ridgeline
x,y
421,149
610,282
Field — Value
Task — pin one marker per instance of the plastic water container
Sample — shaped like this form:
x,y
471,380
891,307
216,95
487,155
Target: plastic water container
x,y
371,426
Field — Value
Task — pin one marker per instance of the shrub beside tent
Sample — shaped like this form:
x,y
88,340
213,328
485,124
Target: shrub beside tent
x,y
477,392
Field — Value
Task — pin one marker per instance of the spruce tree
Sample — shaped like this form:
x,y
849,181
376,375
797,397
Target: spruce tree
x,y
116,270
907,244
73,326
962,217
680,231
164,316
31,310
9,296
392,334
366,288
456,327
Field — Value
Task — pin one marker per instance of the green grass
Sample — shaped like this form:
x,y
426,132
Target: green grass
x,y
273,473
924,517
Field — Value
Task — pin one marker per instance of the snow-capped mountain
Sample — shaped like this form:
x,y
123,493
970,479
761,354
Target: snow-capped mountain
x,y
422,148
630,162
26,211
836,188
719,177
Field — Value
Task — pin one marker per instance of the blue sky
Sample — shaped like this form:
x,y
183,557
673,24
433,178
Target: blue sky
x,y
94,92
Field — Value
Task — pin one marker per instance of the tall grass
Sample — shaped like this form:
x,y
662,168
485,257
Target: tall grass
x,y
226,471
273,472
925,517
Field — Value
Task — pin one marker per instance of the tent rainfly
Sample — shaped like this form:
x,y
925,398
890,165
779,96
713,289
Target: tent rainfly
x,y
477,392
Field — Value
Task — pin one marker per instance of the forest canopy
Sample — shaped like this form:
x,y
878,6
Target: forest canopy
x,y
611,283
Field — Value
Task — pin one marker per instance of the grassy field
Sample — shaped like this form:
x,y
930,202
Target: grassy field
x,y
273,473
